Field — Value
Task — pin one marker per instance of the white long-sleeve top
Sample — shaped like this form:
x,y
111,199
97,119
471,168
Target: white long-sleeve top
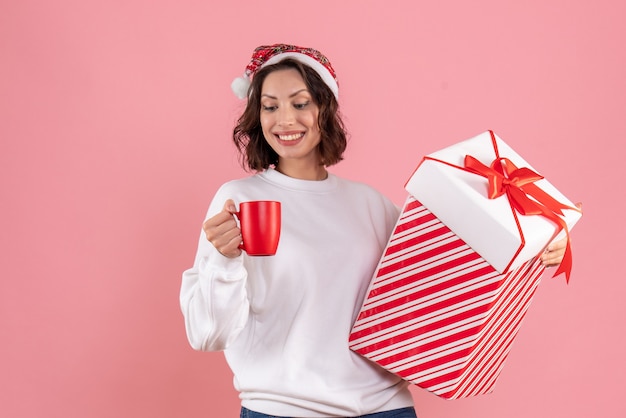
x,y
283,321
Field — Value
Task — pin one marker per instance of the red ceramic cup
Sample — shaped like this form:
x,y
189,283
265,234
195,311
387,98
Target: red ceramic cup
x,y
259,222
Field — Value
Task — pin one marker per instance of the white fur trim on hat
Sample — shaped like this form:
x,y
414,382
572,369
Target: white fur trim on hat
x,y
311,62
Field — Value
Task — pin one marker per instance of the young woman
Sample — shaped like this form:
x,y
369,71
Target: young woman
x,y
283,321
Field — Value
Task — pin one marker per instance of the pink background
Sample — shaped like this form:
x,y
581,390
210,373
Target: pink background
x,y
115,121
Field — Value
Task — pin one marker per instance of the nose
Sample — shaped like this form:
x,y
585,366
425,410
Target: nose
x,y
285,116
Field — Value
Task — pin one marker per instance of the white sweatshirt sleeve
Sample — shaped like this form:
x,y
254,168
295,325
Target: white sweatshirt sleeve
x,y
213,298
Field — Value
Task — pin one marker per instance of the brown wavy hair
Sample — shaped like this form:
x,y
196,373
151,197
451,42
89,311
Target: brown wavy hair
x,y
255,153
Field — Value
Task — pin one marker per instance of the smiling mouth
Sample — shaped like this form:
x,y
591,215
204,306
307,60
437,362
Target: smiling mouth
x,y
290,137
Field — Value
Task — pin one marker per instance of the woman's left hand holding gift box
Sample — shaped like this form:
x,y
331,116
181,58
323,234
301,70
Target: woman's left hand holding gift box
x,y
553,254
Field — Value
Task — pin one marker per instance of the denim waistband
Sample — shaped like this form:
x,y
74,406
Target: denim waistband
x,y
408,412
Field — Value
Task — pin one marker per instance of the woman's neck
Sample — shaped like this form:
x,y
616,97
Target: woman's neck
x,y
303,172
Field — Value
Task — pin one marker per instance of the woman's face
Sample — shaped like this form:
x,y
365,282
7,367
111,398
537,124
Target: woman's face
x,y
289,118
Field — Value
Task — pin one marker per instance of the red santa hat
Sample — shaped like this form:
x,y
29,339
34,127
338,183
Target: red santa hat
x,y
271,54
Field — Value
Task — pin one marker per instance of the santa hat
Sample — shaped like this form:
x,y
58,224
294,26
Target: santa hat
x,y
271,54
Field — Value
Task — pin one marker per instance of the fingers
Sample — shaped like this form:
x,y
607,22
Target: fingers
x,y
222,231
553,254
229,206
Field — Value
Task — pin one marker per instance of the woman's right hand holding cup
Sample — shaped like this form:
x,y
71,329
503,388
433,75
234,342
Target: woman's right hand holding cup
x,y
222,231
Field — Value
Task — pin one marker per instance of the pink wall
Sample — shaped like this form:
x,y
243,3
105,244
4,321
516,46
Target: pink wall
x,y
114,126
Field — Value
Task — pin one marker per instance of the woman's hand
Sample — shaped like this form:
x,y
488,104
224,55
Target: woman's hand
x,y
553,255
222,231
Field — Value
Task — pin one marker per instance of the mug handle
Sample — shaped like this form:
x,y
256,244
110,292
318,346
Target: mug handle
x,y
241,246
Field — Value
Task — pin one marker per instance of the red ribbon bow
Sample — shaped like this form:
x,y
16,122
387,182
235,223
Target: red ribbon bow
x,y
518,185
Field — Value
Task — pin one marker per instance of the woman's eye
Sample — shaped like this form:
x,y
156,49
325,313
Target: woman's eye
x,y
300,105
269,108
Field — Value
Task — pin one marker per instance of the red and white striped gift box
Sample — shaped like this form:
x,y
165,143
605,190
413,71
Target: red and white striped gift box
x,y
436,313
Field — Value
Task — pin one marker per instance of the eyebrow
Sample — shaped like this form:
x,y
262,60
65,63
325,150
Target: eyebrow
x,y
290,96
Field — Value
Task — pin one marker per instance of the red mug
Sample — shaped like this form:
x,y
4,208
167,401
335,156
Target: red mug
x,y
260,223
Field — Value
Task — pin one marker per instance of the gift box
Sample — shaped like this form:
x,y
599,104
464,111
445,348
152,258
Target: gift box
x,y
461,267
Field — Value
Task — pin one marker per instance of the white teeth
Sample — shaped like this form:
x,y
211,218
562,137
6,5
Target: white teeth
x,y
291,137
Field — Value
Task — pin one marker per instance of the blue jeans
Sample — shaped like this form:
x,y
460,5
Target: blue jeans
x,y
396,413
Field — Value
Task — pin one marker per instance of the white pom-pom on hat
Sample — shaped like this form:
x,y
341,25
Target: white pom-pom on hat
x,y
240,86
